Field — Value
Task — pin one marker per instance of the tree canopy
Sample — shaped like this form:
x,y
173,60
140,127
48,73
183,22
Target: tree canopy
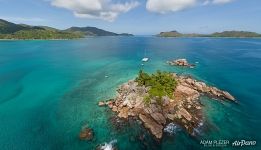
x,y
161,84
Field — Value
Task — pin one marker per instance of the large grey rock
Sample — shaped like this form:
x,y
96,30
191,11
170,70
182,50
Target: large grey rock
x,y
183,112
159,118
123,113
190,93
153,126
228,96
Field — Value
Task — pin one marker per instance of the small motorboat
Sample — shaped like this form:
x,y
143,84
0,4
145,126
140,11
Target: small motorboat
x,y
145,59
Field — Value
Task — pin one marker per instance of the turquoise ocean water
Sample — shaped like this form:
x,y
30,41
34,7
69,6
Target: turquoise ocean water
x,y
50,89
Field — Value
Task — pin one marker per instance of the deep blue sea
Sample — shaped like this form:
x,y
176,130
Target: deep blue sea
x,y
50,89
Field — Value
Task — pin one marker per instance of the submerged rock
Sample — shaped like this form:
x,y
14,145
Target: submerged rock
x,y
101,103
86,134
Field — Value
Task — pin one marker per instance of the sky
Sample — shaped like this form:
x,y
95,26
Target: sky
x,y
140,17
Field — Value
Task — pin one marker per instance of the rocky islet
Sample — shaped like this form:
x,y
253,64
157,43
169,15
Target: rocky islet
x,y
184,109
180,62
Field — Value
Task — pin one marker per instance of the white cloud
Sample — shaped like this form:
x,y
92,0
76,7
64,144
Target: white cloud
x,y
96,9
165,6
221,1
215,2
109,10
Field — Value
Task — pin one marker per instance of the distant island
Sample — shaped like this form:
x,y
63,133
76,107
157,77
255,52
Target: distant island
x,y
238,34
9,30
93,31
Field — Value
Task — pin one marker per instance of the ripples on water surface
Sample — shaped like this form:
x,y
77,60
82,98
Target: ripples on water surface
x,y
50,89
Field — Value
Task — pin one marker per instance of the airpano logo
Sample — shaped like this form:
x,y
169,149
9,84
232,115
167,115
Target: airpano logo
x,y
243,143
227,143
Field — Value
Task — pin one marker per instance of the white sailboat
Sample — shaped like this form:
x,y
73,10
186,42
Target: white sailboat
x,y
145,59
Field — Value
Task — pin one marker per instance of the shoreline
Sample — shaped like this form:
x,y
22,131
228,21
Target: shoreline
x,y
213,37
131,36
39,39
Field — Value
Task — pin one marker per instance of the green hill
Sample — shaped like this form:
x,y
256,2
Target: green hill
x,y
177,34
125,34
93,31
217,34
10,30
170,34
235,34
8,27
40,34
